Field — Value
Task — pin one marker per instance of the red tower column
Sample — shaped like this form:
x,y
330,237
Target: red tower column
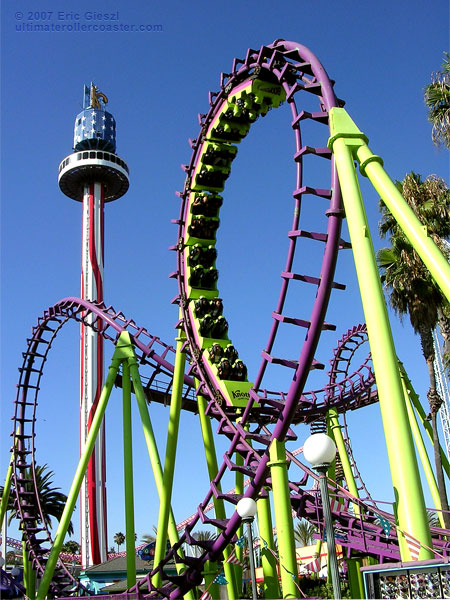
x,y
93,493
93,175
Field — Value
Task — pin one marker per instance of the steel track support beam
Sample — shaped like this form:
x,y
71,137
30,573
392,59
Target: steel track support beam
x,y
283,519
155,460
165,498
336,434
372,167
128,476
219,507
346,142
6,492
80,472
355,579
239,489
29,576
423,419
424,458
268,560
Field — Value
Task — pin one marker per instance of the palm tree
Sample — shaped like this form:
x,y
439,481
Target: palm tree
x,y
119,539
304,532
411,288
52,501
437,99
148,538
433,519
430,201
202,536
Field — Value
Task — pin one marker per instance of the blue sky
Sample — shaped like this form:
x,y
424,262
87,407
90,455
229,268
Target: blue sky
x,y
381,56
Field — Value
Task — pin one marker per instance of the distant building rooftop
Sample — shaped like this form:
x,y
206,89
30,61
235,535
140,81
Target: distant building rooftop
x,y
111,576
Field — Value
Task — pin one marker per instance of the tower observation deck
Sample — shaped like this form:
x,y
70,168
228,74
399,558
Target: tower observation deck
x,y
94,155
93,174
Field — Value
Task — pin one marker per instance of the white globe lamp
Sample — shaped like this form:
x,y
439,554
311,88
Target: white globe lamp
x,y
319,450
246,509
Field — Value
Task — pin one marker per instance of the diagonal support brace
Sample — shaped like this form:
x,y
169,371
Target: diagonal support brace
x,y
347,142
343,128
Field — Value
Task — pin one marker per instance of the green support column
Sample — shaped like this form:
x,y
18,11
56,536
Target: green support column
x,y
6,492
29,576
219,507
209,573
81,470
426,464
336,434
318,551
283,520
239,551
346,139
171,452
414,398
154,456
355,578
268,560
128,476
372,167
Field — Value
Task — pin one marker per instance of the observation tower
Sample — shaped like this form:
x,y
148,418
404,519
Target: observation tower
x,y
93,174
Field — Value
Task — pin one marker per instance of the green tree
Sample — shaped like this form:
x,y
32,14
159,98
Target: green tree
x,y
304,532
147,538
430,201
437,99
71,547
202,536
11,558
119,539
433,519
409,285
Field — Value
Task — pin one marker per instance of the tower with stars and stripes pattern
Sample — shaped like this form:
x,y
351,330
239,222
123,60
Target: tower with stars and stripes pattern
x,y
93,174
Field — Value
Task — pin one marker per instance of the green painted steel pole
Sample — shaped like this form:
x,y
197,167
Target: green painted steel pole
x,y
80,473
219,507
268,560
355,578
371,166
239,550
354,575
333,570
6,493
434,260
171,452
423,417
128,476
408,492
426,464
283,519
154,457
336,433
151,444
209,574
29,576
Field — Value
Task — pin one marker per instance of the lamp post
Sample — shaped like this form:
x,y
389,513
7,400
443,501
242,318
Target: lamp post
x,y
246,508
319,450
